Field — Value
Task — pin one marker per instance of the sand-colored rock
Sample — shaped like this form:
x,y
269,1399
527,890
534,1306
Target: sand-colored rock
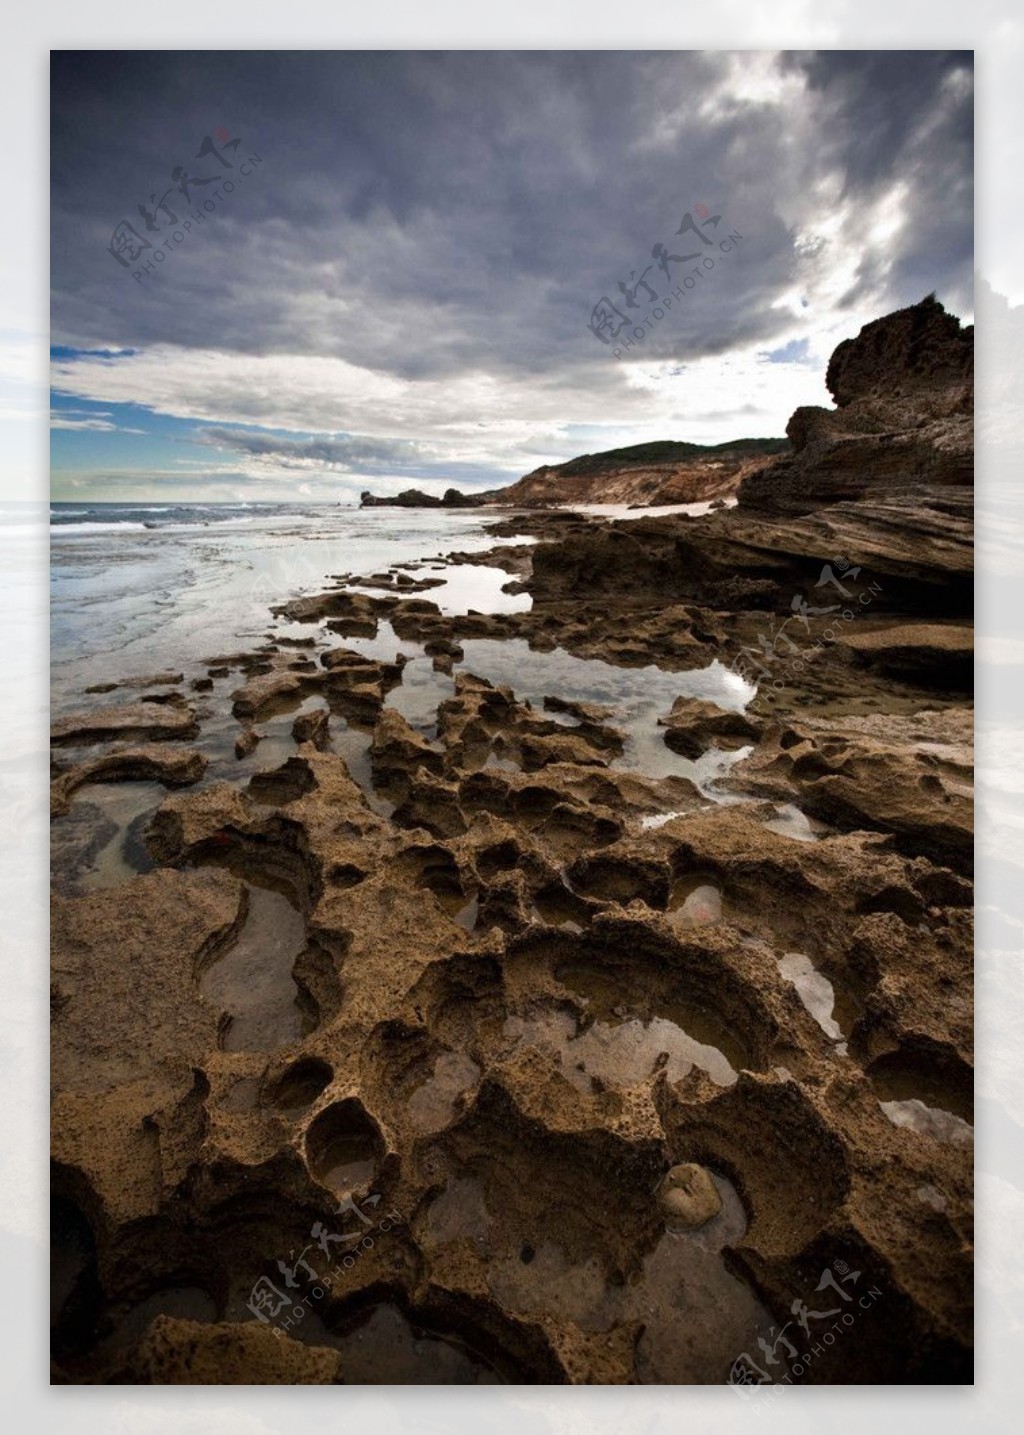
x,y
149,762
313,727
262,695
908,776
142,722
693,725
179,1352
153,680
688,1196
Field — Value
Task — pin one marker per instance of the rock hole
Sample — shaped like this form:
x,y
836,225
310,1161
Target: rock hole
x,y
301,1083
344,1147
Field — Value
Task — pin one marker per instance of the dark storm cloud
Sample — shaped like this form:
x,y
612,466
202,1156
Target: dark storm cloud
x,y
400,283
891,115
346,452
875,102
431,214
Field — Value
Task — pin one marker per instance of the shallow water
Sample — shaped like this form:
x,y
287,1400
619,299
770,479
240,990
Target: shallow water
x,y
128,599
689,1034
693,1316
220,730
117,808
817,994
432,1105
386,1348
930,1121
637,696
348,1165
560,907
923,1101
635,691
252,982
343,1147
625,1052
789,821
694,902
624,512
466,587
458,1213
419,695
182,1302
223,573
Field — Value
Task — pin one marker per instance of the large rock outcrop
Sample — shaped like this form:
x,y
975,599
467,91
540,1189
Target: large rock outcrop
x,y
904,390
416,498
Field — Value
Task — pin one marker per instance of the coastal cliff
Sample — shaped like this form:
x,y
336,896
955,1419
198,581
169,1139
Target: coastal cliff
x,y
904,394
647,475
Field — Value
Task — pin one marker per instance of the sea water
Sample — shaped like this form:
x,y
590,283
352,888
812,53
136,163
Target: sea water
x,y
139,588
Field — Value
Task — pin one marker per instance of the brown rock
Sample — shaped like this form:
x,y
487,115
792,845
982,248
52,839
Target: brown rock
x,y
938,655
398,750
175,767
909,776
646,474
693,725
313,727
689,1197
148,722
184,1352
155,680
262,695
247,742
904,389
185,822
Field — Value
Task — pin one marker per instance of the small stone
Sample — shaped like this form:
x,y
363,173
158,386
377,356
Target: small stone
x,y
688,1196
246,743
313,727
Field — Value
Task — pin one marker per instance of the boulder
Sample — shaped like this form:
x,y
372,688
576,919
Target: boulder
x,y
688,1196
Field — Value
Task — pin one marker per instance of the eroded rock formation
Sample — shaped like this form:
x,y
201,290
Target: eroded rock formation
x,y
383,1069
904,390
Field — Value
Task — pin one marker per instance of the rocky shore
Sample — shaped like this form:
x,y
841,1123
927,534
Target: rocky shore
x,y
573,994
416,498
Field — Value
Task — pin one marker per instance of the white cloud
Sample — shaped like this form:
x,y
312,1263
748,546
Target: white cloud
x,y
476,419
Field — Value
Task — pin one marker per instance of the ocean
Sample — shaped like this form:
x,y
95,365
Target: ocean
x,y
138,589
142,587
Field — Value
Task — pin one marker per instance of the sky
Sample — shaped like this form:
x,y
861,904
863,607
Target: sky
x,y
295,276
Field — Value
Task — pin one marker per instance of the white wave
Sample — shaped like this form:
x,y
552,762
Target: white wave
x,y
202,523
647,823
70,529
